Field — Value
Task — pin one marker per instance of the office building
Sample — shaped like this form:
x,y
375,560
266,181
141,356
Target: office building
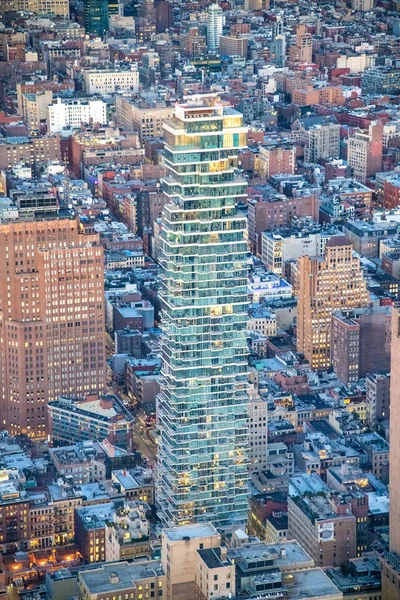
x,y
72,113
92,418
277,211
202,467
131,578
278,50
361,342
214,26
96,17
145,22
364,152
163,16
29,150
52,338
325,284
186,541
110,81
34,108
193,42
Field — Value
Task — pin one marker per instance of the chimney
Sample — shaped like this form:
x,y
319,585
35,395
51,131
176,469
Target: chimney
x,y
223,553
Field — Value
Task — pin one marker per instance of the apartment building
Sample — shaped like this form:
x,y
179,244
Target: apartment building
x,y
274,160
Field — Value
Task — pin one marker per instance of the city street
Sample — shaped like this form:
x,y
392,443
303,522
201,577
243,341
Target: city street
x,y
143,441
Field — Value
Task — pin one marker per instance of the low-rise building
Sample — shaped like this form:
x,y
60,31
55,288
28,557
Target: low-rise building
x,y
127,532
325,527
123,579
91,418
79,464
366,236
71,113
111,81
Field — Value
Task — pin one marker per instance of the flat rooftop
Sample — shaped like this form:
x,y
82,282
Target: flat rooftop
x,y
120,576
190,531
311,583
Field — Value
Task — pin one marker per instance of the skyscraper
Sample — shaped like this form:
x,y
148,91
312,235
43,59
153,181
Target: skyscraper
x,y
390,562
214,26
202,408
51,319
325,284
97,15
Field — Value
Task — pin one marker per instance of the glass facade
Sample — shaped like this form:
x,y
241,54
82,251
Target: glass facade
x,y
202,468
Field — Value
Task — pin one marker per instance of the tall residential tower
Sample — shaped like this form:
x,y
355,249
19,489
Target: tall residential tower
x,y
214,26
202,468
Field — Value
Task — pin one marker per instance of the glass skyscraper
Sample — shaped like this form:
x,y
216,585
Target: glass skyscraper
x,y
202,408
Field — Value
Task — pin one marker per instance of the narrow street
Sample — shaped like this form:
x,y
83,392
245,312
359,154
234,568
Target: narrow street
x,y
144,443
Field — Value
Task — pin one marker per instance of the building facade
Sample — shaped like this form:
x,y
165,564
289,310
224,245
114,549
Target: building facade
x,y
202,409
91,418
361,342
325,284
107,81
390,561
364,154
72,113
52,342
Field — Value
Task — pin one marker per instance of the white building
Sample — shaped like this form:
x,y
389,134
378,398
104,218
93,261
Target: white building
x,y
357,62
110,81
66,113
258,432
268,287
215,20
276,249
